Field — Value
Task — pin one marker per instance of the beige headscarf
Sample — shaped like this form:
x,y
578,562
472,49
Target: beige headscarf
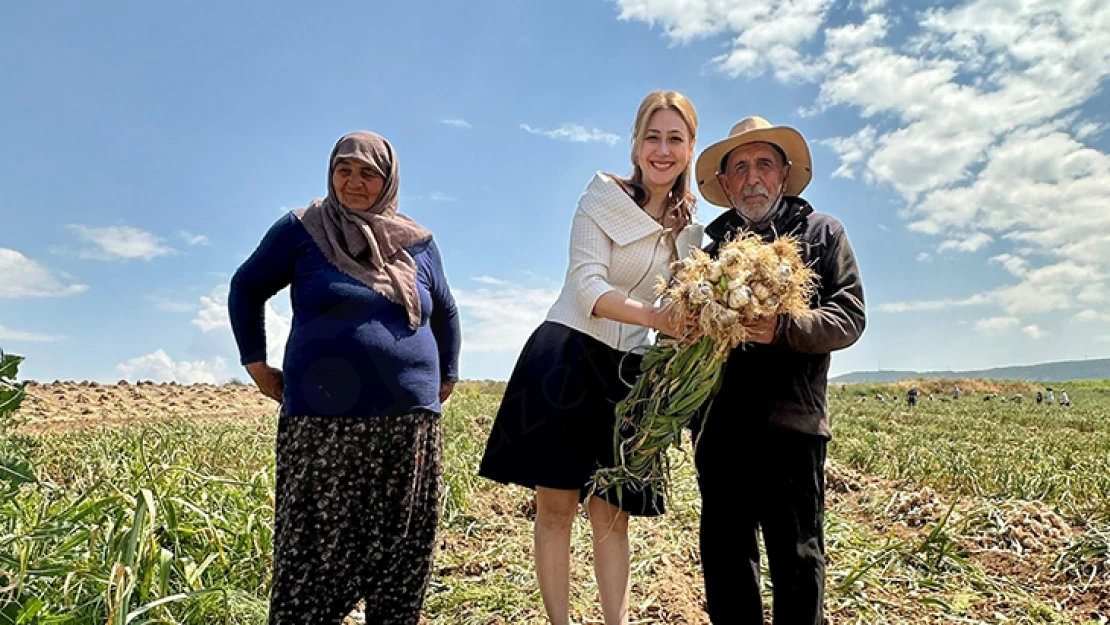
x,y
369,245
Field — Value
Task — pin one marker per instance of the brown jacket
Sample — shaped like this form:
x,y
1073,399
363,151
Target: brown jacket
x,y
783,384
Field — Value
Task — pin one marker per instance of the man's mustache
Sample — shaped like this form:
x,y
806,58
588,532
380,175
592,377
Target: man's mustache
x,y
755,189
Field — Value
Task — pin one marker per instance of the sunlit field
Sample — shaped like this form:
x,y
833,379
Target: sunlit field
x,y
981,510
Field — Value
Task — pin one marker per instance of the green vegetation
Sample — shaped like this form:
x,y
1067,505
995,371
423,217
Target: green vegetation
x,y
995,448
971,511
11,391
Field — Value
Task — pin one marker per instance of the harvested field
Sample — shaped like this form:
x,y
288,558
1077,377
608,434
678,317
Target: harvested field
x,y
964,511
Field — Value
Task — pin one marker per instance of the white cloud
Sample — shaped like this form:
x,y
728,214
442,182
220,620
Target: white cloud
x,y
1045,289
434,196
576,133
213,315
7,334
159,367
23,277
974,74
501,318
491,280
852,150
1016,265
1092,293
1089,130
1037,189
924,257
1033,332
770,36
994,325
764,34
683,20
977,120
1092,315
1054,287
852,38
457,123
193,239
937,304
213,339
983,108
120,242
166,304
971,243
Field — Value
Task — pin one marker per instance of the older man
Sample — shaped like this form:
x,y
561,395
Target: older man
x,y
761,452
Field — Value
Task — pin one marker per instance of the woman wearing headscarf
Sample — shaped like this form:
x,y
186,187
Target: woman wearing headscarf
x,y
371,355
556,422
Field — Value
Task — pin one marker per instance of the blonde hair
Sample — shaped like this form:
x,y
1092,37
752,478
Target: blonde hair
x,y
679,209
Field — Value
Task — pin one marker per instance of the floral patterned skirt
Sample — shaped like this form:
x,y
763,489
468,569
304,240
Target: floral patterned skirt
x,y
357,506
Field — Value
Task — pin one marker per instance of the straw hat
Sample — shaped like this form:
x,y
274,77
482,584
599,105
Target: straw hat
x,y
752,130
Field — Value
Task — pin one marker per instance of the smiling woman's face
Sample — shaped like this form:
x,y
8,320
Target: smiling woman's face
x,y
357,184
666,149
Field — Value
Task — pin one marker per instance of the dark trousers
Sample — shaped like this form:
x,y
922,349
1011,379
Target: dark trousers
x,y
769,480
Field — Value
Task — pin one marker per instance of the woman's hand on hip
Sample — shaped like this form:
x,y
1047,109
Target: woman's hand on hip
x,y
270,381
445,390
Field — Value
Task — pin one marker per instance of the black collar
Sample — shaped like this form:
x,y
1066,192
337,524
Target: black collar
x,y
791,219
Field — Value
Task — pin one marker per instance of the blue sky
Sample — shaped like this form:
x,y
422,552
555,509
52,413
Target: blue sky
x,y
146,147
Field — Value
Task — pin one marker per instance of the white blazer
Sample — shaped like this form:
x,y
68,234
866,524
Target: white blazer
x,y
614,246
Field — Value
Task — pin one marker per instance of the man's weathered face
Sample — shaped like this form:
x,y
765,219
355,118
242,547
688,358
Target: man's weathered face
x,y
753,176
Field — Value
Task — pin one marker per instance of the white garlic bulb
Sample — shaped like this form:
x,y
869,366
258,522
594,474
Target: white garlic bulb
x,y
740,297
700,294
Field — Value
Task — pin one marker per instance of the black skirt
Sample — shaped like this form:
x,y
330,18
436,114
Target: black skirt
x,y
356,509
556,422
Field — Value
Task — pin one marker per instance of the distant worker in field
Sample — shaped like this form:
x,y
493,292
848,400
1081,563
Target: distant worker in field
x,y
761,456
1064,401
372,355
1040,398
911,396
955,392
1050,398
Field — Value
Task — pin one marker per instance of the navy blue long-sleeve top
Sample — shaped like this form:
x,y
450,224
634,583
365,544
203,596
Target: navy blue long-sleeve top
x,y
351,351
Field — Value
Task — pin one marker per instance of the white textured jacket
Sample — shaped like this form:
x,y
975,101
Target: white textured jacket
x,y
614,245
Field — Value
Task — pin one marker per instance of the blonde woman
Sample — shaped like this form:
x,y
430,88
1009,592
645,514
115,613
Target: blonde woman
x,y
556,421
